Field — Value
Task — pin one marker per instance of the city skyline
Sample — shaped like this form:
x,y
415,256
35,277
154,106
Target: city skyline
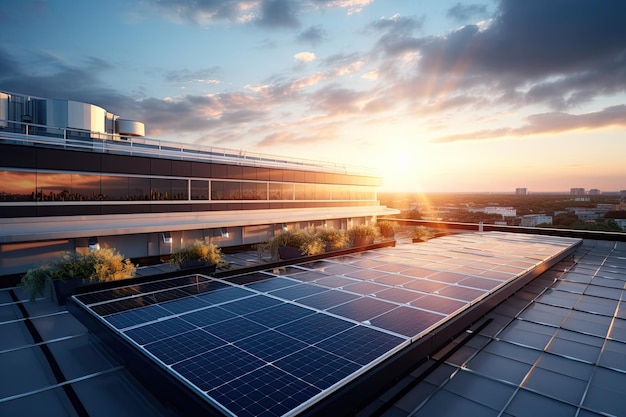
x,y
438,96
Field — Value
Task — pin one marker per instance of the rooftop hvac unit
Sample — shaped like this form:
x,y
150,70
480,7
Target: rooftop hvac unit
x,y
125,127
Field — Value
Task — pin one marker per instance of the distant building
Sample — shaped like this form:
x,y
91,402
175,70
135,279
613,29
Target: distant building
x,y
532,220
594,191
577,191
585,213
622,193
503,211
521,191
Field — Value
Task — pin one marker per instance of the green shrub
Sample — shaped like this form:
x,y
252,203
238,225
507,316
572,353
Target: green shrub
x,y
421,233
332,239
197,250
362,234
96,266
386,228
303,239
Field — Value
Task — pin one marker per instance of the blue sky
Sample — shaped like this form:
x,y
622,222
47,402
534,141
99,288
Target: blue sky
x,y
437,95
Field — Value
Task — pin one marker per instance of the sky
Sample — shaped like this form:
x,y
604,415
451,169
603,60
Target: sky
x,y
435,95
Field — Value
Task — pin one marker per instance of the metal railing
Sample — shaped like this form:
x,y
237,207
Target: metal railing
x,y
77,139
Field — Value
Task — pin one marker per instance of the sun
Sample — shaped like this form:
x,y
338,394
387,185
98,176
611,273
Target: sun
x,y
397,168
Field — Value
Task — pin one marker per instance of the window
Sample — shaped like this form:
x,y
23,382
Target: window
x,y
199,190
17,186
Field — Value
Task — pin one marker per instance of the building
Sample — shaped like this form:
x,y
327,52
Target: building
x,y
594,191
590,213
577,191
74,175
532,220
521,191
501,211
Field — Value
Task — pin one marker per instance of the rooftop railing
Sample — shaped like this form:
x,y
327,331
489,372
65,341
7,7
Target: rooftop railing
x,y
84,140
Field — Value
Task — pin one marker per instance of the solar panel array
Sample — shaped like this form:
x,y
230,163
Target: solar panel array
x,y
274,342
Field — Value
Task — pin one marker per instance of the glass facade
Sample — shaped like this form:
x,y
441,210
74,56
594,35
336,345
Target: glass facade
x,y
18,186
68,182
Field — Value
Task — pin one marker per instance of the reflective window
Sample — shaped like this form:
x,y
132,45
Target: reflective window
x,y
322,192
180,190
232,190
86,187
17,186
164,189
253,191
114,188
281,191
138,188
225,190
28,186
199,190
54,187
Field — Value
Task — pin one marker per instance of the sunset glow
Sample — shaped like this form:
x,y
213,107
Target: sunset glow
x,y
437,96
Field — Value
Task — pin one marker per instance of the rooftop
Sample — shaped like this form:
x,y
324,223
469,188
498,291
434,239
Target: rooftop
x,y
556,347
76,139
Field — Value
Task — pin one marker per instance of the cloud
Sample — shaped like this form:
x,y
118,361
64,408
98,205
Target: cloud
x,y
304,57
464,12
313,35
184,75
266,13
550,123
335,100
202,12
353,6
397,24
278,13
561,53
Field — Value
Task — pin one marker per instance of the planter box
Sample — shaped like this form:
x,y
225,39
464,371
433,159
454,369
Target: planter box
x,y
206,267
363,241
289,252
66,288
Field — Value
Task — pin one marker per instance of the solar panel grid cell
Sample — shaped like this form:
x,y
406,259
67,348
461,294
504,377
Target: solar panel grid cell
x,y
318,367
326,300
264,392
137,316
184,346
278,315
207,316
298,291
159,330
407,321
272,284
218,366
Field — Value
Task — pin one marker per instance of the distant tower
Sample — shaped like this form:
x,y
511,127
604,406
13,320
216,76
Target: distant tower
x,y
521,191
577,191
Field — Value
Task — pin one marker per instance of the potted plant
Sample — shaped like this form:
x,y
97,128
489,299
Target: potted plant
x,y
421,234
292,244
333,239
196,254
73,269
386,228
362,235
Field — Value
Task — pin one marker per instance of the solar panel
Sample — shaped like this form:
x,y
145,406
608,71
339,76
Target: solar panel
x,y
273,342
